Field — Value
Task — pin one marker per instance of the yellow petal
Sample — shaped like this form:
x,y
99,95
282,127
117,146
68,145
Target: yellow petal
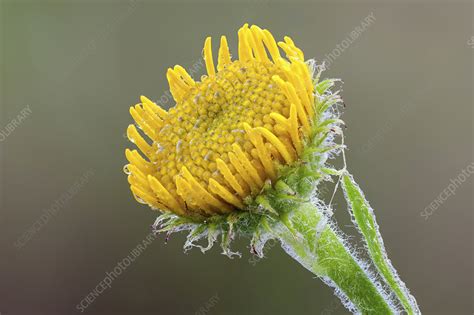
x,y
229,177
163,194
222,192
224,54
135,137
284,151
208,57
245,52
205,195
262,151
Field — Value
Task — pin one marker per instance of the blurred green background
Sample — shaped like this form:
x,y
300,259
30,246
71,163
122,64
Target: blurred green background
x,y
79,65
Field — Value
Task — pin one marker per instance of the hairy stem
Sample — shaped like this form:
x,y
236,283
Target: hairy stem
x,y
307,237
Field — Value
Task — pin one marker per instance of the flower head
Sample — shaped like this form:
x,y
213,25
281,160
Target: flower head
x,y
229,134
242,153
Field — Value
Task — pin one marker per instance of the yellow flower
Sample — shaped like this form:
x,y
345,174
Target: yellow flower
x,y
228,134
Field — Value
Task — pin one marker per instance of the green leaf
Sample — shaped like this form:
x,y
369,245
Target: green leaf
x,y
365,220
